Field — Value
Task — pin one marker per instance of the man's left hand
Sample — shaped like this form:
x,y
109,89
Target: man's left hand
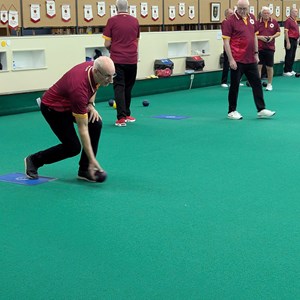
x,y
93,114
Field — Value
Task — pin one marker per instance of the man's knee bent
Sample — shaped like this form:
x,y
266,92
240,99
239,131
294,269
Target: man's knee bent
x,y
72,149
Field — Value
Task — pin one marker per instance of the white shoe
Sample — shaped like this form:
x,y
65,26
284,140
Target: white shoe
x,y
288,74
265,113
224,85
269,87
39,101
235,115
293,73
241,84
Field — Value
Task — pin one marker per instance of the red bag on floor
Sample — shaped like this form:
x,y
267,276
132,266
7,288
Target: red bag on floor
x,y
167,72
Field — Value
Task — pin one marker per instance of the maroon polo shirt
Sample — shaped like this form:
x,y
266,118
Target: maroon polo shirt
x,y
291,26
72,91
267,28
123,31
241,33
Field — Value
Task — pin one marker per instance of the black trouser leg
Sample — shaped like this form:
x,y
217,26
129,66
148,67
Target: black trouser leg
x,y
129,83
290,56
234,87
251,72
62,124
294,49
225,69
123,84
119,90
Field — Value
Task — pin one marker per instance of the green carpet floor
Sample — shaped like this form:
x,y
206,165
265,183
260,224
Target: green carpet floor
x,y
198,208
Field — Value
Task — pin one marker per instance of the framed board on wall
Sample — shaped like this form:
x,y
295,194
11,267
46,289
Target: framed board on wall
x,y
212,11
215,8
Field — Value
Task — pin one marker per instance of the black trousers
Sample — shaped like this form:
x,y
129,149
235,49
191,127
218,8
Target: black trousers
x,y
251,72
62,124
290,55
123,84
225,69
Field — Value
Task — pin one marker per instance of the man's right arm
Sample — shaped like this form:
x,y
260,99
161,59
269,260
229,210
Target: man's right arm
x,y
286,37
82,123
232,62
107,44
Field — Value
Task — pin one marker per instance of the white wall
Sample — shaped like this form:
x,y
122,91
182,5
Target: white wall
x,y
63,52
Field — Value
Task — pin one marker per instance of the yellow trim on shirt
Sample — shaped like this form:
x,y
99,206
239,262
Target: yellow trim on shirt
x,y
106,37
80,116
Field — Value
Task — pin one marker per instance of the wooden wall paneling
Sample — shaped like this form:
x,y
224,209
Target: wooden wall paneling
x,y
224,6
97,20
147,20
254,5
3,6
8,5
180,19
205,10
46,21
290,4
275,4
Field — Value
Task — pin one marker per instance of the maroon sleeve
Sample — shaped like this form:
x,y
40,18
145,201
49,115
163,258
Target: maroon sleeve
x,y
287,24
107,29
277,28
227,28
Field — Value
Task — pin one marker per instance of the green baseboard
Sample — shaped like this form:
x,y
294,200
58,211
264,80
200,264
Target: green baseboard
x,y
26,102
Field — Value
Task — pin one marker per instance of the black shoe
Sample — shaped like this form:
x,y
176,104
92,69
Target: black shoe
x,y
30,168
85,175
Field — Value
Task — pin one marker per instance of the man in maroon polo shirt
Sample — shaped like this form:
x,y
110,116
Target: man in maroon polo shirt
x,y
72,99
268,30
241,46
121,36
291,35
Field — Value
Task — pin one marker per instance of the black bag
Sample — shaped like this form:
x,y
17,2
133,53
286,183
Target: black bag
x,y
98,53
195,63
161,64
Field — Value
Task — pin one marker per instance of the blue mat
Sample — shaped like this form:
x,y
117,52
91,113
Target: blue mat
x,y
170,117
20,178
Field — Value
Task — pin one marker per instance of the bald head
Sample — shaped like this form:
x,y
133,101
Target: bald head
x,y
242,8
294,13
243,3
104,64
103,70
228,12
